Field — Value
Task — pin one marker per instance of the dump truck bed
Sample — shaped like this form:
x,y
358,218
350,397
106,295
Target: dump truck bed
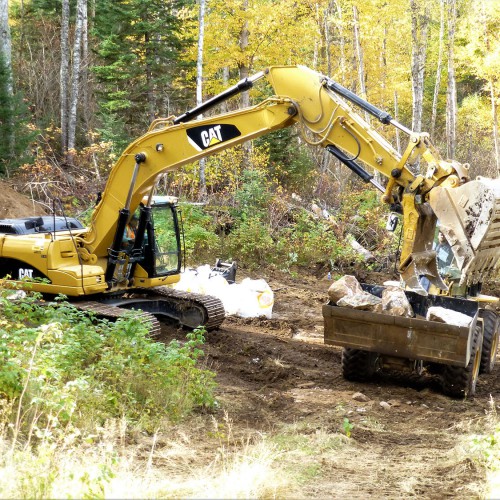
x,y
412,338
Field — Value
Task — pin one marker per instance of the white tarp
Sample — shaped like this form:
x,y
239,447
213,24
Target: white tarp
x,y
248,299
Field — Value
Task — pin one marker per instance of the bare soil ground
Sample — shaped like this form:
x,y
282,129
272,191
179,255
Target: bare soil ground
x,y
277,373
14,204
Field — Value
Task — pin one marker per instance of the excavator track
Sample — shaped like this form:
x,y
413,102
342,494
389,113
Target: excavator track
x,y
112,312
190,310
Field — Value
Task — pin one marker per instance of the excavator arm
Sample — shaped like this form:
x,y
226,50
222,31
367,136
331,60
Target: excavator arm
x,y
468,210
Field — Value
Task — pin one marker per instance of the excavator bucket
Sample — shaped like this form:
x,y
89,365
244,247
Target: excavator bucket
x,y
469,217
419,269
423,264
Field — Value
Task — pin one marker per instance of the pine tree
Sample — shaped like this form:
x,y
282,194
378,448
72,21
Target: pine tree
x,y
15,135
140,49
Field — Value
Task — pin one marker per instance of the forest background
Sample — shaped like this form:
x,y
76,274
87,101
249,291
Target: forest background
x,y
82,79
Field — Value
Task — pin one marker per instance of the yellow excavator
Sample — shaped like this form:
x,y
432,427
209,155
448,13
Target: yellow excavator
x,y
93,267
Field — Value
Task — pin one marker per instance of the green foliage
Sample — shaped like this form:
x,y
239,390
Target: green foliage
x,y
309,241
250,242
290,164
15,132
139,45
347,427
201,241
263,230
364,216
253,196
113,130
62,367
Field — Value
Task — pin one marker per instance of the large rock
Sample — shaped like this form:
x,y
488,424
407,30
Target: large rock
x,y
395,303
360,249
347,286
362,301
442,315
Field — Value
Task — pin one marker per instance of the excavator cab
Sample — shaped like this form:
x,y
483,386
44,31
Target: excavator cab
x,y
163,249
153,250
157,246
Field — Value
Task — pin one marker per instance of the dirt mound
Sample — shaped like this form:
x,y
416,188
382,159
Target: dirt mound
x,y
14,204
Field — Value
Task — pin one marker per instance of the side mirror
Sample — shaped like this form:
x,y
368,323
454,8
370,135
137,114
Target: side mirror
x,y
392,222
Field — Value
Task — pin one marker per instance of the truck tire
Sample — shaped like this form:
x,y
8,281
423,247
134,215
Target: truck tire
x,y
459,381
490,341
358,365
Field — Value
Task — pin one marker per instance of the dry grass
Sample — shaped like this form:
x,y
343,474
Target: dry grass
x,y
207,458
481,445
169,464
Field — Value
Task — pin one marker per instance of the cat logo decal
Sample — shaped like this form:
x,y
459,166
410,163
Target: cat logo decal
x,y
207,136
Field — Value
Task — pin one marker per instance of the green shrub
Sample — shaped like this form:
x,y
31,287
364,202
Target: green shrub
x,y
201,240
253,197
313,241
61,366
250,243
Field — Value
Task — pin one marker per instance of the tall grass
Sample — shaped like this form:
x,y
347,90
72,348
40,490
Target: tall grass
x,y
70,384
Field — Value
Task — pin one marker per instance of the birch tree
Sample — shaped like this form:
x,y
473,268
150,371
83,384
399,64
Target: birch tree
x,y
451,95
64,74
341,41
199,87
15,134
81,17
244,73
419,30
7,129
86,105
5,41
439,67
359,56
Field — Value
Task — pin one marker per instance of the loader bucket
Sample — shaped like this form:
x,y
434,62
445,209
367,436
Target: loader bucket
x,y
469,217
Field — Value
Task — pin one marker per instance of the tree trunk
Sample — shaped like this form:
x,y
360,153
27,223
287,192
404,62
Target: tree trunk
x,y
341,44
451,95
361,70
360,57
244,42
199,89
149,78
6,55
225,82
439,69
64,74
396,117
87,114
81,13
383,65
5,40
494,114
244,73
419,29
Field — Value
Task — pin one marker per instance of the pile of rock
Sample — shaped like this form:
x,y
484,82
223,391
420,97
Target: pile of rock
x,y
347,292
